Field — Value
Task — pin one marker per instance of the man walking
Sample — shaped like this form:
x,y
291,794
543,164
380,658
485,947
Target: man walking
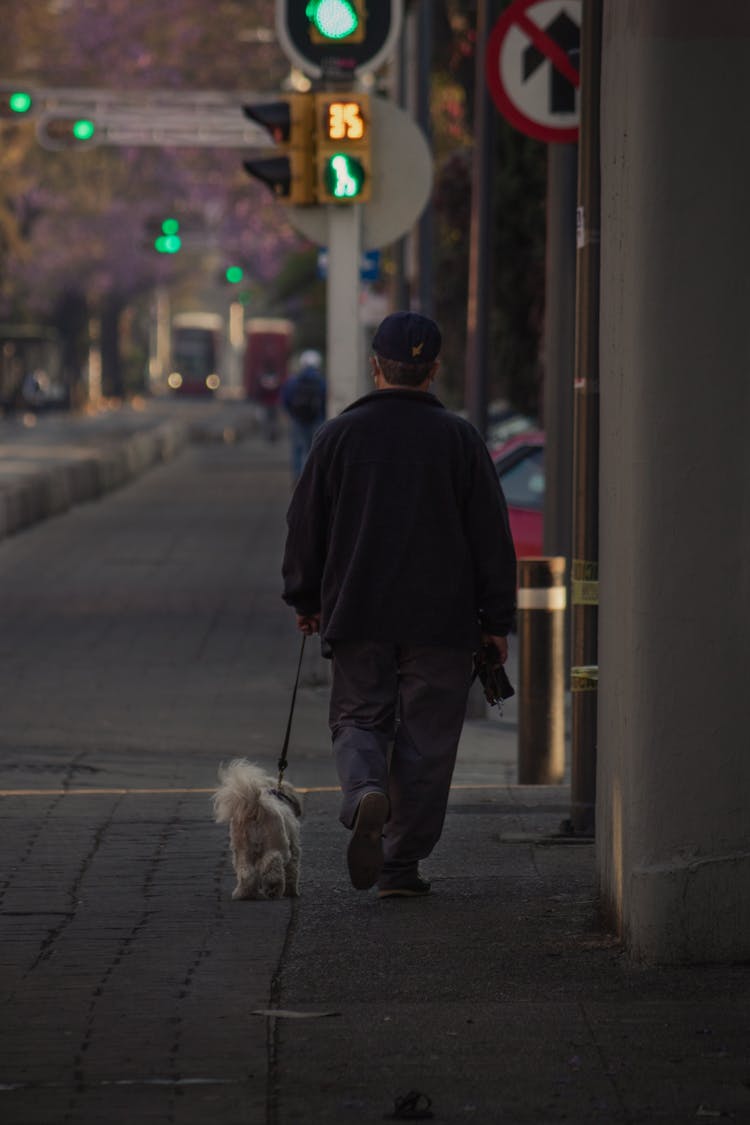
x,y
304,399
399,553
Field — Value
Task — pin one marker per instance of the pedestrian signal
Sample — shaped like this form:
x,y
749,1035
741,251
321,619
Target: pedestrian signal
x,y
344,177
343,147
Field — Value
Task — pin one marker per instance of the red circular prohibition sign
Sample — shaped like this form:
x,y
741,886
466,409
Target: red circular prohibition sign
x,y
516,15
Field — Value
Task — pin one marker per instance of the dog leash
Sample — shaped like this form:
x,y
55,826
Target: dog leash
x,y
283,758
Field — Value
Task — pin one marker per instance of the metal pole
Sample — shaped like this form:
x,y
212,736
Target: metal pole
x,y
346,377
559,346
585,562
400,296
426,226
477,316
478,304
541,653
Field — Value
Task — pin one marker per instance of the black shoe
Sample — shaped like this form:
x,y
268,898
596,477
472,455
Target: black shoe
x,y
413,886
365,852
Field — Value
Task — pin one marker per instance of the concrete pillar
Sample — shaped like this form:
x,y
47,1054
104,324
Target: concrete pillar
x,y
673,808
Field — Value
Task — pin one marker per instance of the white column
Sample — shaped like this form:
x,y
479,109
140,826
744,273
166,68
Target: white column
x,y
673,810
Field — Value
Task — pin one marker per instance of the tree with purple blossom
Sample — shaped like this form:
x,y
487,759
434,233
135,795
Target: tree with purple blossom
x,y
73,224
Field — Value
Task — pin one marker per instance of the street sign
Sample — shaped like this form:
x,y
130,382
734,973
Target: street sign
x,y
161,118
530,73
369,265
298,29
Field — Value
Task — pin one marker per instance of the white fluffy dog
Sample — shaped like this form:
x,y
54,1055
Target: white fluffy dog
x,y
264,832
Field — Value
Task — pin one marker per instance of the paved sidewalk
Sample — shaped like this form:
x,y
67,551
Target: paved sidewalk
x,y
141,991
135,654
51,462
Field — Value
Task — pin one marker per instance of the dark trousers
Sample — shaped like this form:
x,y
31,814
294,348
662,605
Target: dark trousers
x,y
413,699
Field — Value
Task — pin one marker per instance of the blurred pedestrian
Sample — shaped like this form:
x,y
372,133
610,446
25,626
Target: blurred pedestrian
x,y
399,552
304,399
268,395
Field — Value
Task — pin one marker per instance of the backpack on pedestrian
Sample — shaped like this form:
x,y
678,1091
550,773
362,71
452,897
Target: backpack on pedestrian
x,y
306,399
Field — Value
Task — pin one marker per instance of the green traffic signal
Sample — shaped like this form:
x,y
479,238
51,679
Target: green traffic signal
x,y
333,19
59,131
234,274
169,241
19,101
344,176
83,129
15,103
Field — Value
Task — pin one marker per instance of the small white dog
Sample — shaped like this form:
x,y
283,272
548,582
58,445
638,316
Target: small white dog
x,y
264,831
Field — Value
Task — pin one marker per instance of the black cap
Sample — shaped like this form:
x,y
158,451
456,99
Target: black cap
x,y
407,337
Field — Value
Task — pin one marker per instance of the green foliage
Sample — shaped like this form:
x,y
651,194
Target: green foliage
x,y
78,218
73,224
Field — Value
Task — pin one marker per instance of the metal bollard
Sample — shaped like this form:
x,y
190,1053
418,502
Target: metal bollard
x,y
541,644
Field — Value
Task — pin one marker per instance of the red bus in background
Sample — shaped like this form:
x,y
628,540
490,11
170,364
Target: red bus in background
x,y
267,351
196,353
266,366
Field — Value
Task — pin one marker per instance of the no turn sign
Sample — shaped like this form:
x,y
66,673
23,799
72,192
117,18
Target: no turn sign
x,y
532,67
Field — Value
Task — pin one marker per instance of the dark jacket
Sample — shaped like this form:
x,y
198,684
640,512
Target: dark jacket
x,y
398,528
315,397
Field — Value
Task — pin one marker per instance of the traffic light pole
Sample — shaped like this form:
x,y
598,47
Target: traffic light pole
x,y
477,316
584,675
344,363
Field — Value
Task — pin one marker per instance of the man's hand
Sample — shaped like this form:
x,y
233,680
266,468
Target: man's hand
x,y
500,643
308,623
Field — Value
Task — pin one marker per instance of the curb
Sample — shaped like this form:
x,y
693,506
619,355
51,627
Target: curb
x,y
31,496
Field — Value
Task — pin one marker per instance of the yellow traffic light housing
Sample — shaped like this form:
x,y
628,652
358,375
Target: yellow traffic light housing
x,y
343,153
289,171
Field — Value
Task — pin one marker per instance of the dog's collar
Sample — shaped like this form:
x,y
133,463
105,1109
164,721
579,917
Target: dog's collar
x,y
282,796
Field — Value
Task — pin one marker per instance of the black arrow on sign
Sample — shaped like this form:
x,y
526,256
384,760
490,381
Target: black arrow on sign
x,y
566,33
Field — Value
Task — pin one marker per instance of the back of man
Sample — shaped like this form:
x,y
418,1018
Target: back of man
x,y
415,525
399,552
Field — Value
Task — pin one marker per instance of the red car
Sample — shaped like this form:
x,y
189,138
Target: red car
x,y
520,467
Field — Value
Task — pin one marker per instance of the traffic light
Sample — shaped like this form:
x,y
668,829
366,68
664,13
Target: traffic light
x,y
343,152
290,123
340,21
338,38
15,103
235,276
169,241
61,132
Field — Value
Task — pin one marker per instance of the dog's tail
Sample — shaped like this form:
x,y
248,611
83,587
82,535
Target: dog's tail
x,y
241,785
